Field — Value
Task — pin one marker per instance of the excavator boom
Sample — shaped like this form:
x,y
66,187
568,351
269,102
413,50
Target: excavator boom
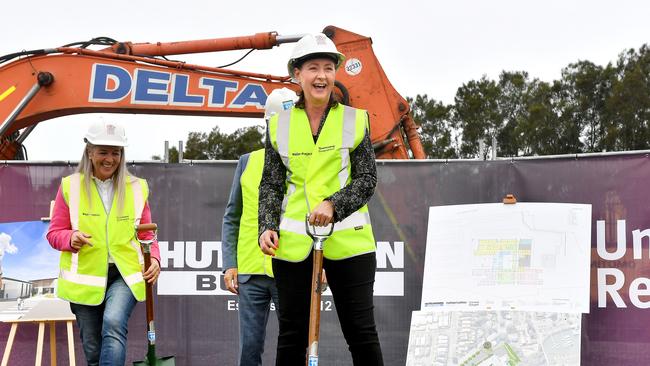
x,y
133,78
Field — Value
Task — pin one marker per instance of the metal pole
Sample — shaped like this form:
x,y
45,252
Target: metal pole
x,y
481,149
19,108
180,151
43,79
25,133
166,156
288,39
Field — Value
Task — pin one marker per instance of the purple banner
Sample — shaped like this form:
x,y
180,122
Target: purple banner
x,y
197,321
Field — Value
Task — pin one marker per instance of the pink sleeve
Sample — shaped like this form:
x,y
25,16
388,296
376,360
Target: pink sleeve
x,y
60,229
148,235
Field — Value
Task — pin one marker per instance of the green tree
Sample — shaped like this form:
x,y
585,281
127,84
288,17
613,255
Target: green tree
x,y
567,131
173,155
535,130
512,109
587,88
477,114
628,106
217,145
546,128
434,119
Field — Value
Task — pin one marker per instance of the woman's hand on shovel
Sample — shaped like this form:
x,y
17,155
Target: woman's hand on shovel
x,y
322,214
151,274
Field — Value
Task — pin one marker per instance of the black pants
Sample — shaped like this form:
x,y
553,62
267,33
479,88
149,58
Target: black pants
x,y
351,281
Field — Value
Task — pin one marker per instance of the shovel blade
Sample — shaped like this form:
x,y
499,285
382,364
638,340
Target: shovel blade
x,y
164,361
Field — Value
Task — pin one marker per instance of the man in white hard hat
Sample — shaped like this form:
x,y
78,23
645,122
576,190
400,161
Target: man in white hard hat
x,y
248,271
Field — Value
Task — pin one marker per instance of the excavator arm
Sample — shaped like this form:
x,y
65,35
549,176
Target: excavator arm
x,y
134,78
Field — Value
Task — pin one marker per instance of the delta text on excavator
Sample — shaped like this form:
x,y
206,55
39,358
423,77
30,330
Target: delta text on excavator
x,y
137,78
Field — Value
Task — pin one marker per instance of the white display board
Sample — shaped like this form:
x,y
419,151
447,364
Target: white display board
x,y
524,256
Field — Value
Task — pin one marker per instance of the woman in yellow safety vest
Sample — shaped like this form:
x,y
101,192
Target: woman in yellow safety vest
x,y
101,266
319,161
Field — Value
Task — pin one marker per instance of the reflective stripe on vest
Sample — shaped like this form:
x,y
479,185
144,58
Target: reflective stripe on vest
x,y
250,258
87,280
283,150
319,169
347,139
82,275
136,246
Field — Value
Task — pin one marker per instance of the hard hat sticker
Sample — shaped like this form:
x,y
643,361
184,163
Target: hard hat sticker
x,y
287,104
353,66
320,39
151,336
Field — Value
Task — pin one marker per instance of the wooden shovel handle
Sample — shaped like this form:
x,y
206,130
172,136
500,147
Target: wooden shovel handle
x,y
314,306
146,227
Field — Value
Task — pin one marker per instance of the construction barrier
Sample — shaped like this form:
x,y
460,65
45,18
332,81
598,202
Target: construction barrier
x,y
196,318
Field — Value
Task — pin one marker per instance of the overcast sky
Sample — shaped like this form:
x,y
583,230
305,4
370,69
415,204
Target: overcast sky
x,y
425,47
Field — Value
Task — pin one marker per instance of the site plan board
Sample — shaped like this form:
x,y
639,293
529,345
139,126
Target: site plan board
x,y
523,256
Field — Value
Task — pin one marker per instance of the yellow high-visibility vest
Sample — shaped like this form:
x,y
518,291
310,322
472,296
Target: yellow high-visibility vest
x,y
314,172
250,258
83,275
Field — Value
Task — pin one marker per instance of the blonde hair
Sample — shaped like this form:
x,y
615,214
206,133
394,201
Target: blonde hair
x,y
120,176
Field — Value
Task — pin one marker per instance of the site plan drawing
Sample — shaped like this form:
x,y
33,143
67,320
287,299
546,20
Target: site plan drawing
x,y
523,256
493,338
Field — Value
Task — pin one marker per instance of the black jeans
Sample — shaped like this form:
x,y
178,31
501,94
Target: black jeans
x,y
351,281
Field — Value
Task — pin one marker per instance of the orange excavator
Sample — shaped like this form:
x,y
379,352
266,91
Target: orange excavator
x,y
125,77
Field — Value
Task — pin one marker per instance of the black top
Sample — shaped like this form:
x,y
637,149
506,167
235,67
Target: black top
x,y
346,201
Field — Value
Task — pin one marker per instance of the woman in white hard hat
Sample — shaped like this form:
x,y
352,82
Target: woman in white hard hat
x,y
320,163
101,266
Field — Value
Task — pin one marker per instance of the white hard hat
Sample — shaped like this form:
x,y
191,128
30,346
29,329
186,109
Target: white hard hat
x,y
279,100
314,44
106,134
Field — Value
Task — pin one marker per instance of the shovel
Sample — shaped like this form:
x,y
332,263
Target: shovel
x,y
316,290
151,329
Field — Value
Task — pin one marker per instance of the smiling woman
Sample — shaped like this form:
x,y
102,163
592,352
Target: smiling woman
x,y
319,164
101,268
105,160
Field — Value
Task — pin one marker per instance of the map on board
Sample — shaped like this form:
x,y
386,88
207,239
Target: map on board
x,y
493,338
525,256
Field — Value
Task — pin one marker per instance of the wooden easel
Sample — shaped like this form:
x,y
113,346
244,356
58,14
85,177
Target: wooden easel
x,y
46,312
